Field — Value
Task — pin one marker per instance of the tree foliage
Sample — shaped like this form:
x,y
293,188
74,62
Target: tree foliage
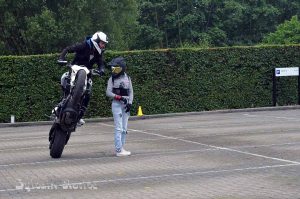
x,y
47,26
177,23
286,33
44,26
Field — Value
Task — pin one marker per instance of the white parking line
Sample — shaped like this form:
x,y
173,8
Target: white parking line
x,y
266,145
159,135
269,116
111,156
42,137
76,145
158,176
216,147
146,140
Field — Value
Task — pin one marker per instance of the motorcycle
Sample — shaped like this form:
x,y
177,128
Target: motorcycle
x,y
76,84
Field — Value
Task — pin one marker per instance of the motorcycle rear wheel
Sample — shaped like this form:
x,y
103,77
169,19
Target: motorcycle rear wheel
x,y
69,117
78,89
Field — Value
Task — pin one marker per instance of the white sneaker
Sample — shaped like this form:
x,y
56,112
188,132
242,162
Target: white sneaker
x,y
123,153
80,122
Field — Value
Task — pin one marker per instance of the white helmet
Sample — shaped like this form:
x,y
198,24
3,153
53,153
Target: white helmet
x,y
97,37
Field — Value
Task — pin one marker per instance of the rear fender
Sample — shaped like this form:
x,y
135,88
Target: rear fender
x,y
75,69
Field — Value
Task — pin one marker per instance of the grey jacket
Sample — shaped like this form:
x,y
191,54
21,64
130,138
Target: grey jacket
x,y
123,81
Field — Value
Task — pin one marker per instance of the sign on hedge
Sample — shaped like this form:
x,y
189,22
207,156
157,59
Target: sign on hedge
x,y
291,71
284,72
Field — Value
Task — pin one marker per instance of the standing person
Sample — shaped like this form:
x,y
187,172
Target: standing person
x,y
119,89
87,53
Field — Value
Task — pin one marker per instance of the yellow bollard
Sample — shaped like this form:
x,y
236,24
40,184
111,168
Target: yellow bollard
x,y
140,112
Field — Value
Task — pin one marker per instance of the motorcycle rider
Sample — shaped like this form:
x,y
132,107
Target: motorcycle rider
x,y
87,53
119,88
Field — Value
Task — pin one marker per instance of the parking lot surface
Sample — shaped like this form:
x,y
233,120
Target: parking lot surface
x,y
221,155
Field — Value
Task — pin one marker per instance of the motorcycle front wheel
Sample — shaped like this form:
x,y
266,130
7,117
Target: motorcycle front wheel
x,y
58,142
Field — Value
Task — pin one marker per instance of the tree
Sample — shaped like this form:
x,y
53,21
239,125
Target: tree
x,y
12,14
44,26
42,32
122,23
47,26
170,23
151,25
286,33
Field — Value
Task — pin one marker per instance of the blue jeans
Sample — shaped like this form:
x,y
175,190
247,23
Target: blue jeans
x,y
120,121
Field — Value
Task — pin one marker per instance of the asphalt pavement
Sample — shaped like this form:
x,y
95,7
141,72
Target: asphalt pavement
x,y
249,153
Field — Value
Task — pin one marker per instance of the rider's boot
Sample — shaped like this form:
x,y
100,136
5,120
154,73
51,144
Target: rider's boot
x,y
55,111
80,122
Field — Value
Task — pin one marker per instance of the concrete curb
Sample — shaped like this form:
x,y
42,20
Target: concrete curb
x,y
94,120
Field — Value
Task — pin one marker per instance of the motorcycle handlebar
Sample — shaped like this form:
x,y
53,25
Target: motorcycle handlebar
x,y
62,62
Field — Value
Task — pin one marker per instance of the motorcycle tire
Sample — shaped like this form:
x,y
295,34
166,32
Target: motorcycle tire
x,y
58,143
78,89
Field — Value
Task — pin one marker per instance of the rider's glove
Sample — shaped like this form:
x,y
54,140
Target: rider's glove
x,y
99,72
120,98
127,108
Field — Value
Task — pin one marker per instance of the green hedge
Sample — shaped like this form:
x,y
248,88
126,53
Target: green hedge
x,y
170,80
